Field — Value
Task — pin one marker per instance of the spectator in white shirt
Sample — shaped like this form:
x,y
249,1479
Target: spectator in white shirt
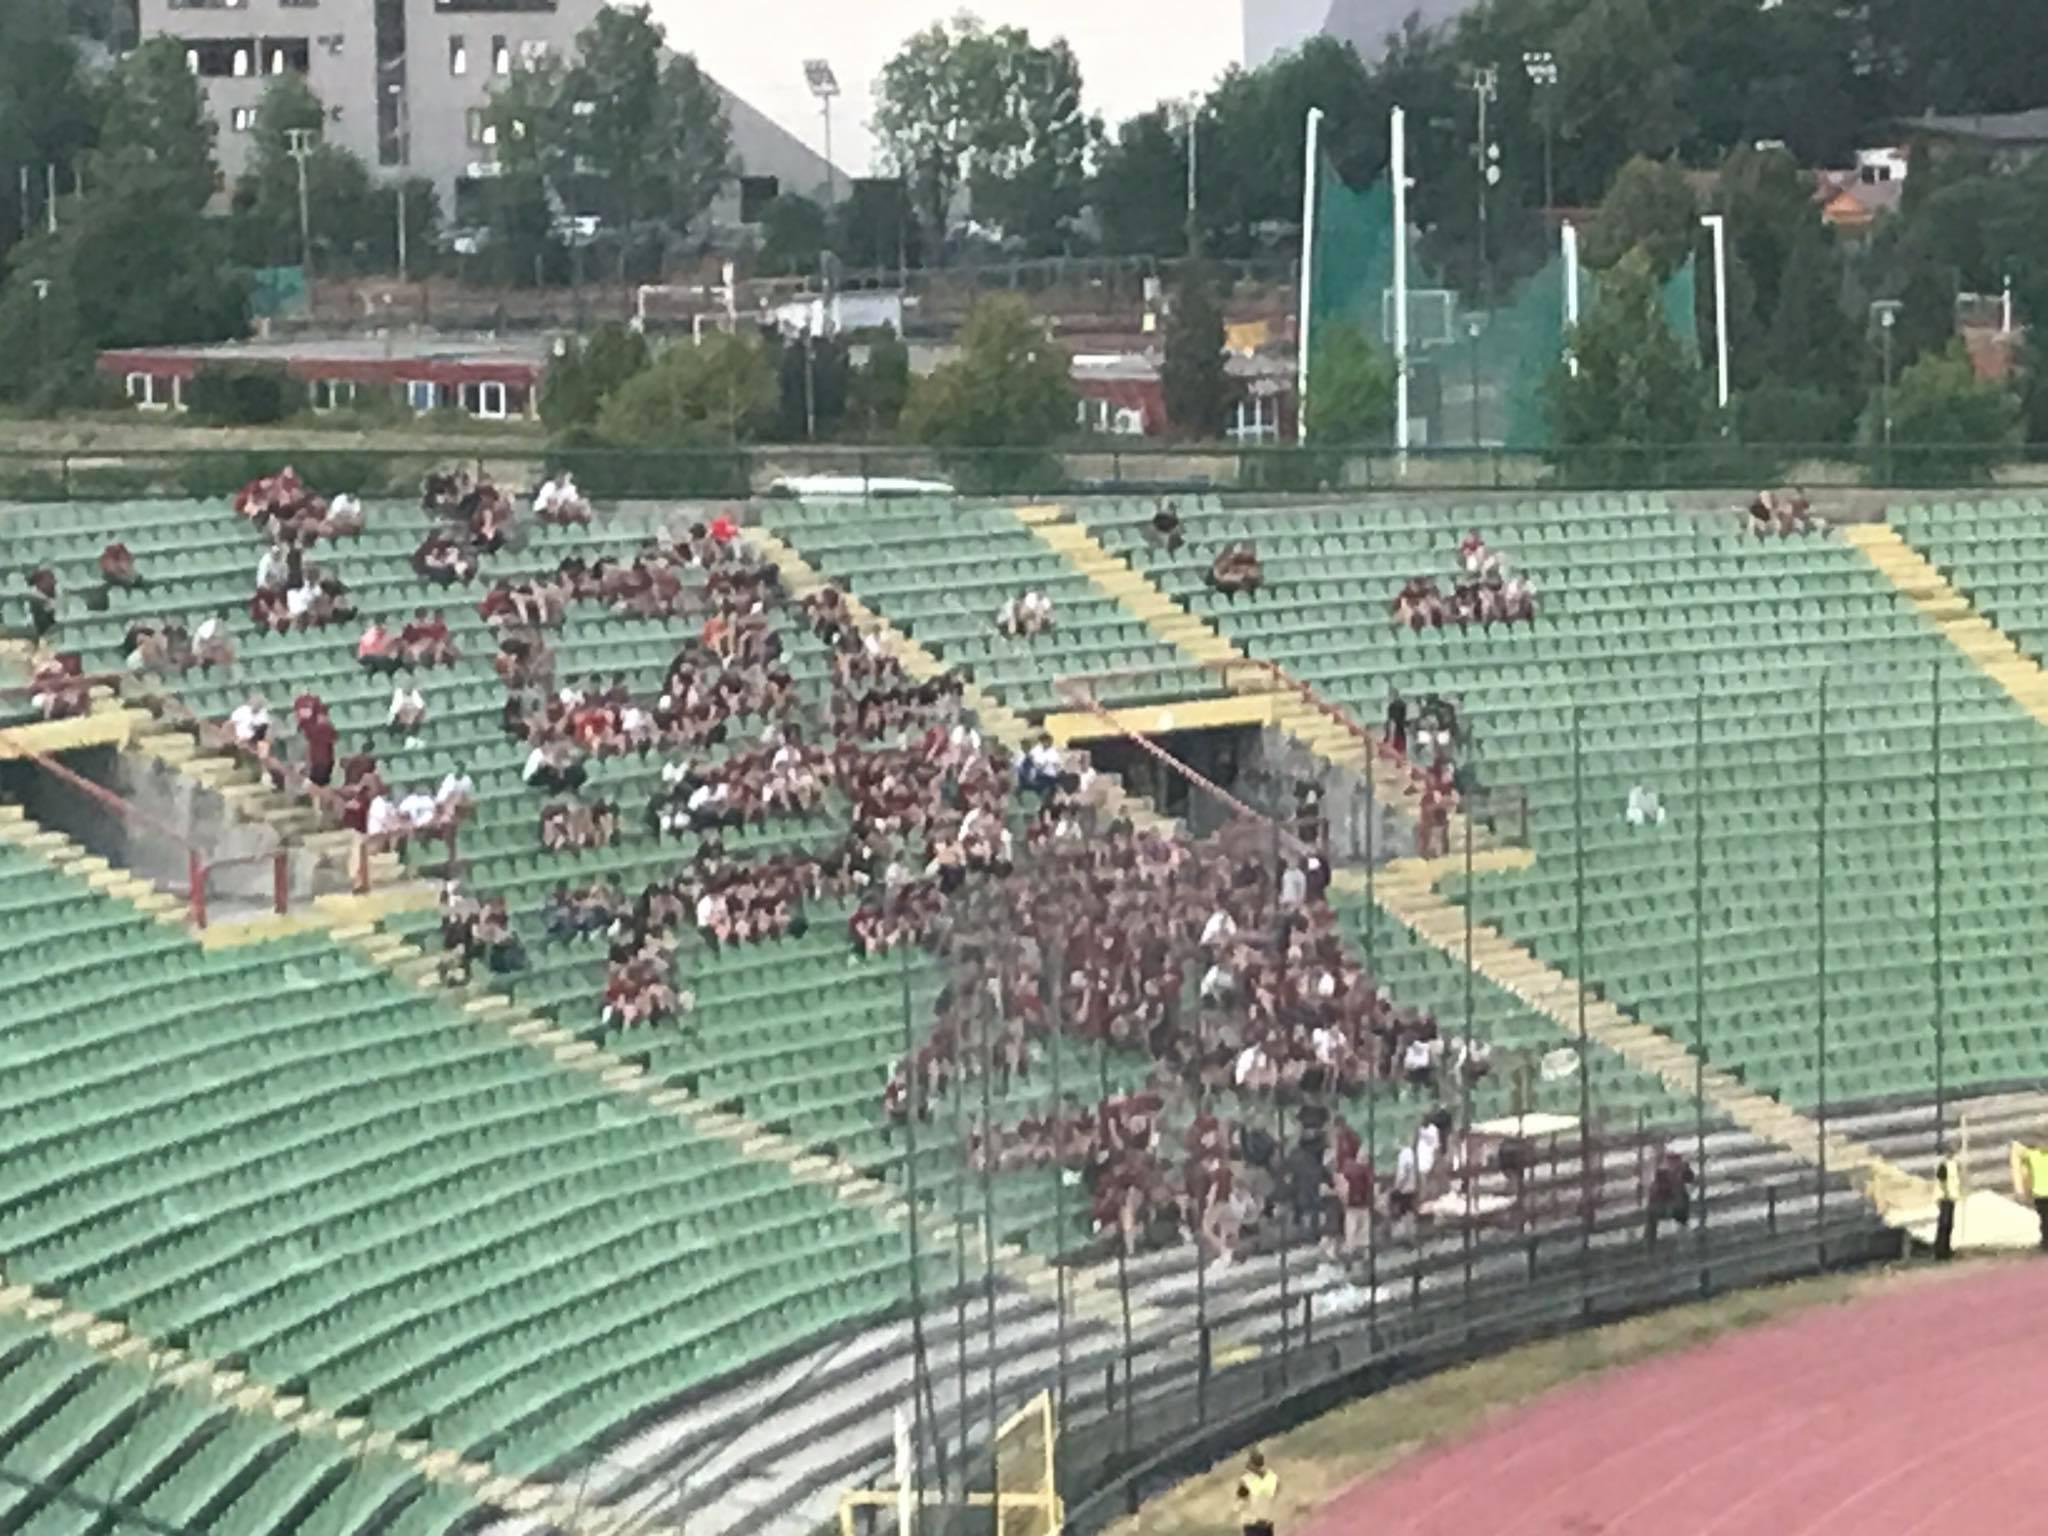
x,y
1293,887
300,600
457,791
383,822
1220,929
419,810
250,721
274,569
408,708
547,498
1404,1198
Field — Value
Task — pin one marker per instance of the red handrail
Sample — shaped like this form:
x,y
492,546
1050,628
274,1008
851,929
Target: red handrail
x,y
197,866
1076,691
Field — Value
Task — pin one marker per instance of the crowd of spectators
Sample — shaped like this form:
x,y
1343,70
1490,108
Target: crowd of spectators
x,y
1483,590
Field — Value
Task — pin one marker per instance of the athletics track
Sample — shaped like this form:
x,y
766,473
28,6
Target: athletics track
x,y
1916,1413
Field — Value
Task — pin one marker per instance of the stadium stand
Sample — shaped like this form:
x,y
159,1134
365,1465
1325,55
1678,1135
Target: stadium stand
x,y
1645,613
281,1149
942,569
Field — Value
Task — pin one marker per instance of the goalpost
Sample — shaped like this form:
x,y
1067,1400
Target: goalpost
x,y
1025,1500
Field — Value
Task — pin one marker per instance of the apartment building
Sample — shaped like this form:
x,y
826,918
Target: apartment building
x,y
405,82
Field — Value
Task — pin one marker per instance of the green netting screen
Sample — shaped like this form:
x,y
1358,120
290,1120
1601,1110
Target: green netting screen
x,y
1490,365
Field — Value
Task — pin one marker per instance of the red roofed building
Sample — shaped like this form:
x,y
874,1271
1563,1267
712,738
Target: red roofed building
x,y
491,379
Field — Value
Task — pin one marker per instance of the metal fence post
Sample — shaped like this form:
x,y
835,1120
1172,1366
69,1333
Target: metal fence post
x,y
195,875
1940,967
1820,1011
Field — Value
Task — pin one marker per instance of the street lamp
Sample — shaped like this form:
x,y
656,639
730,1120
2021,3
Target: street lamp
x,y
1194,111
300,142
42,287
825,85
1887,318
1541,67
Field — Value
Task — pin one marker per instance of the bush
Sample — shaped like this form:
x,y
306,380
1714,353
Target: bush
x,y
244,395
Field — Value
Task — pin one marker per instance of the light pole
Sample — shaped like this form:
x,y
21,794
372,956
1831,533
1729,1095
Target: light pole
x,y
1194,160
300,145
1717,225
1541,68
1474,324
42,287
1486,91
825,85
401,119
1887,318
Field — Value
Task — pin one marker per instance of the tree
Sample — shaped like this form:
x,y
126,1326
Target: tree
x,y
156,129
348,219
882,385
136,262
720,391
623,131
48,115
1141,188
1650,205
1010,386
586,374
814,382
875,226
1949,426
959,105
2033,393
1635,386
1351,393
794,234
1197,383
1811,342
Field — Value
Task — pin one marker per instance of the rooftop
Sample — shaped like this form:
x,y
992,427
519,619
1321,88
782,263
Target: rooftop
x,y
2030,127
535,350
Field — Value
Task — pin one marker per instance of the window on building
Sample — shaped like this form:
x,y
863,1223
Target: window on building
x,y
332,394
1092,415
501,56
484,400
152,392
242,119
532,52
420,395
458,55
482,131
1255,419
241,63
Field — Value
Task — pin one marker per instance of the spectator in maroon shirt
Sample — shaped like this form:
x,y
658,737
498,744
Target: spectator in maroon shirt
x,y
316,729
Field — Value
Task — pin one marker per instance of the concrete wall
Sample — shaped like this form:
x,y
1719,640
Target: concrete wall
x,y
168,802
1277,763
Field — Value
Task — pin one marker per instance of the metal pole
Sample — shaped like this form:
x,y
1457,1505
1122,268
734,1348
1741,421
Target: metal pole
x,y
1194,160
1372,1083
300,141
921,1377
50,193
1940,996
1465,1077
1055,1000
1718,226
960,1232
1699,951
1398,169
1303,330
1568,233
988,1241
1579,969
831,172
1820,1010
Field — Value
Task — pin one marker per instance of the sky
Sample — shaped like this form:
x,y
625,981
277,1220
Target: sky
x,y
1132,53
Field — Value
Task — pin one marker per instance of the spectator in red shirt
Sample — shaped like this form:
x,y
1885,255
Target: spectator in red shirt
x,y
117,569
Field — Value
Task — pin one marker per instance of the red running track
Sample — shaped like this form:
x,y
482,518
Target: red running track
x,y
1918,1413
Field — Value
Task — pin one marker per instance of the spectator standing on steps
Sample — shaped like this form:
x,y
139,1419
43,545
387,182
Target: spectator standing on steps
x,y
1256,1491
1947,1185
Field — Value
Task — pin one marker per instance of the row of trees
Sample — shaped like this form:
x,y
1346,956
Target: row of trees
x,y
1577,89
